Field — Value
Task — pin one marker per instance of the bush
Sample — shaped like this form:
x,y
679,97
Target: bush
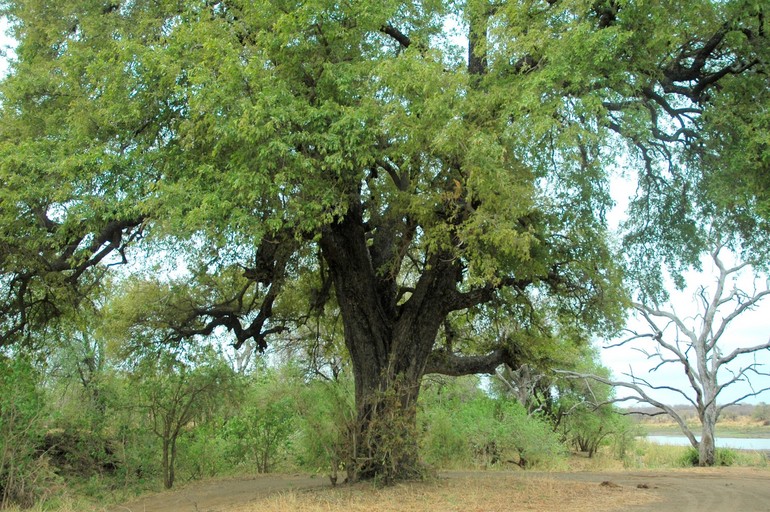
x,y
625,436
690,457
486,432
25,475
537,444
135,448
203,452
261,432
443,444
325,441
725,457
722,457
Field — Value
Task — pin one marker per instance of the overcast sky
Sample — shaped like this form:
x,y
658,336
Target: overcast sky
x,y
751,329
5,43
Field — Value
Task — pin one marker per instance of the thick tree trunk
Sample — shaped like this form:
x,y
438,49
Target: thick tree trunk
x,y
385,444
389,359
389,346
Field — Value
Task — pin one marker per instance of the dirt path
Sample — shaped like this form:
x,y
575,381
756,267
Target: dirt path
x,y
220,495
693,490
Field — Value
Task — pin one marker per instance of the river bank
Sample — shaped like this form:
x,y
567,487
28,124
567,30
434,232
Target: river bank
x,y
724,431
736,443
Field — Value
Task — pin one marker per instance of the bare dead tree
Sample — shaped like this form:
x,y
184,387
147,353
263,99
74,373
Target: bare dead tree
x,y
522,383
696,345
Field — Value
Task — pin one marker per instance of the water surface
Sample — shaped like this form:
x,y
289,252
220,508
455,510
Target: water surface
x,y
738,443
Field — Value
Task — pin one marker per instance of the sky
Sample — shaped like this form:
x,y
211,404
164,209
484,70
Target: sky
x,y
752,328
5,44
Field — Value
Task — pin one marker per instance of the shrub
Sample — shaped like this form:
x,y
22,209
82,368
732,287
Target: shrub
x,y
443,444
486,432
725,457
537,444
261,432
24,471
722,457
327,425
203,452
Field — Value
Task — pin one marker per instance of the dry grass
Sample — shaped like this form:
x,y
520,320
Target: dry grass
x,y
491,493
603,460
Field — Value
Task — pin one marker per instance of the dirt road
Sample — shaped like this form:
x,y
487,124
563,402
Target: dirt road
x,y
692,490
220,495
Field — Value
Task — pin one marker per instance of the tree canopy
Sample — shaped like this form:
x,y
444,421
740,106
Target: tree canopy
x,y
416,167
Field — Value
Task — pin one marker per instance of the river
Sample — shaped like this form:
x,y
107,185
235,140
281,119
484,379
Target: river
x,y
738,443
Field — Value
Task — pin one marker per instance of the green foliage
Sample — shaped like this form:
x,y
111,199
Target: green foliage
x,y
328,422
443,440
204,451
586,429
270,152
232,130
725,457
458,428
624,438
577,409
444,445
583,415
178,388
533,438
85,391
132,440
722,457
24,473
260,433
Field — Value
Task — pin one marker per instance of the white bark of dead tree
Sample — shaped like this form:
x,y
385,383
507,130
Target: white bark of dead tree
x,y
693,344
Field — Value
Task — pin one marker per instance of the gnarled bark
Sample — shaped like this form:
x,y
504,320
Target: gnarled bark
x,y
389,346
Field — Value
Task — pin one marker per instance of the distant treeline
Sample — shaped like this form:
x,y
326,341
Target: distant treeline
x,y
759,412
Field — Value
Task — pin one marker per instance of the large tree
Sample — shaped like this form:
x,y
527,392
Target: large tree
x,y
402,163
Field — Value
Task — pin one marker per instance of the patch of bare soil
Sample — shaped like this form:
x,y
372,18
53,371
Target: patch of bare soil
x,y
692,490
220,495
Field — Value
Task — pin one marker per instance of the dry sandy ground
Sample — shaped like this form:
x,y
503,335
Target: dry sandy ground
x,y
220,495
692,490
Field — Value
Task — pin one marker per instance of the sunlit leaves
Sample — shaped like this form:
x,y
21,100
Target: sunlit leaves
x,y
218,126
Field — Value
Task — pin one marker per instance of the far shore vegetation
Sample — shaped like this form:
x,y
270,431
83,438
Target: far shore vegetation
x,y
739,421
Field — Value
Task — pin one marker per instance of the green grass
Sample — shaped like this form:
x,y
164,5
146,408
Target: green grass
x,y
649,455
